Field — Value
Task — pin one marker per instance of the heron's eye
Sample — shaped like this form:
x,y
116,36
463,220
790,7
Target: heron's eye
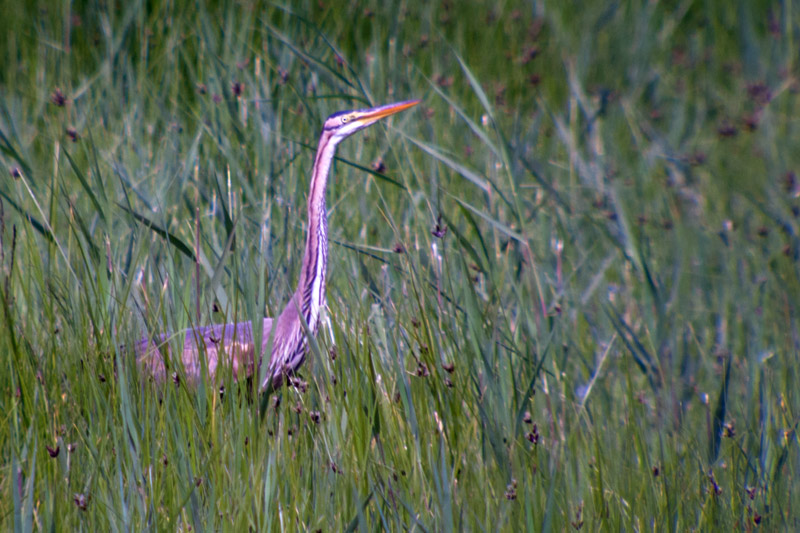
x,y
345,119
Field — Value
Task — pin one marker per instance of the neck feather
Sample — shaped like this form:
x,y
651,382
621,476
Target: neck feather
x,y
311,287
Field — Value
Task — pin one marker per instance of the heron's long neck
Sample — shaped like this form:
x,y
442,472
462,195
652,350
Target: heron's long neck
x,y
311,288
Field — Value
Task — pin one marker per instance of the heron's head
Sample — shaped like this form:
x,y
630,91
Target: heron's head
x,y
345,123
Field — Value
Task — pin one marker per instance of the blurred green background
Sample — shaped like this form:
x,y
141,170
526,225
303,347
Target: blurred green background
x,y
563,290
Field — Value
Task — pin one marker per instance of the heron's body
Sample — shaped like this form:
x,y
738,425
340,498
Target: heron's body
x,y
220,344
232,344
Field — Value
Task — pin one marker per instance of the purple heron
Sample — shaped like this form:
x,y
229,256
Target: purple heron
x,y
232,344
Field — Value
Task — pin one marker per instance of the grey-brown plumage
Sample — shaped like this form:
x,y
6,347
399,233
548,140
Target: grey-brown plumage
x,y
232,344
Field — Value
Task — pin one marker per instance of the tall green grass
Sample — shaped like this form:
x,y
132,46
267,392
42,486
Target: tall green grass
x,y
563,292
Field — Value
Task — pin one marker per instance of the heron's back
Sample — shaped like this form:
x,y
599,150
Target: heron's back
x,y
219,345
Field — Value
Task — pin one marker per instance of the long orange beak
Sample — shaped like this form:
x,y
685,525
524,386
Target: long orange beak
x,y
372,115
